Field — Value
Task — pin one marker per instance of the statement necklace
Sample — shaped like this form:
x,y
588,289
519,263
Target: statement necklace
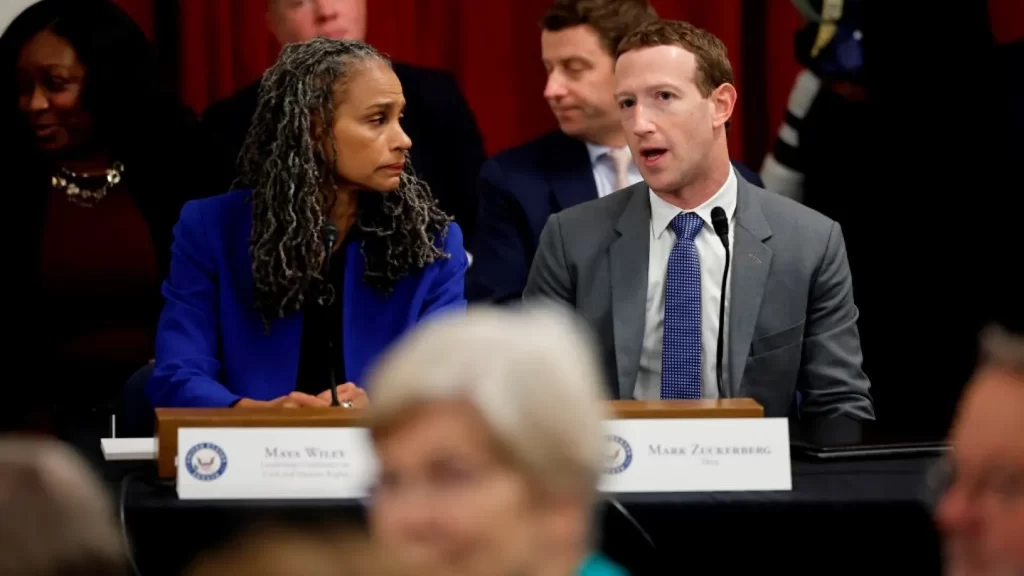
x,y
86,189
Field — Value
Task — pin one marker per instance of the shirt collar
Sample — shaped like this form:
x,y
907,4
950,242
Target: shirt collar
x,y
596,151
662,212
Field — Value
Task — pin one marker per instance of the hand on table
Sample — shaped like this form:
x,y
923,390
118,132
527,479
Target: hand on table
x,y
348,391
292,400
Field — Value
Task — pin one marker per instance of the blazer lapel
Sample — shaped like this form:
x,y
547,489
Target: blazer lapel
x,y
369,318
277,349
628,259
751,261
283,344
357,298
570,175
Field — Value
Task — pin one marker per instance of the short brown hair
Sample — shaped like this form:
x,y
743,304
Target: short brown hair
x,y
611,19
713,67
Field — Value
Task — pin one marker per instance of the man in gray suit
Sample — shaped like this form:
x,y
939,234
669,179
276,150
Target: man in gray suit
x,y
645,266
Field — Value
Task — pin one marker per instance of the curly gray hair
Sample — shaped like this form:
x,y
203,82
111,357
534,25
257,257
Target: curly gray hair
x,y
293,181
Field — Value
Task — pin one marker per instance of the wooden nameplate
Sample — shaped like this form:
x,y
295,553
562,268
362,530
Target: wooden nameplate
x,y
169,420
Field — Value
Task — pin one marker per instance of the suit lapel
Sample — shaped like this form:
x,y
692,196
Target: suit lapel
x,y
570,174
750,266
628,263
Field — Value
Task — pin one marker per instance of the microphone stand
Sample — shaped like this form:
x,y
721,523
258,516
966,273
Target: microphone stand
x,y
330,237
721,225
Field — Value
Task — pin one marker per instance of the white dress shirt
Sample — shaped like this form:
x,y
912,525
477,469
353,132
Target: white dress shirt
x,y
712,264
604,170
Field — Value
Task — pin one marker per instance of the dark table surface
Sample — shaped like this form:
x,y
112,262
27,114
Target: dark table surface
x,y
844,517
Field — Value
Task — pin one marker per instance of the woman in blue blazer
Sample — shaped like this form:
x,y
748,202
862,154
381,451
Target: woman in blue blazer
x,y
329,250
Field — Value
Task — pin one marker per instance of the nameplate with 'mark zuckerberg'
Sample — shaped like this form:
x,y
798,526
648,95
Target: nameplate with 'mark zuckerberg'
x,y
697,455
274,463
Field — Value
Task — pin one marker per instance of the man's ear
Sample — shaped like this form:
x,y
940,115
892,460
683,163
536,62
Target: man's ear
x,y
723,101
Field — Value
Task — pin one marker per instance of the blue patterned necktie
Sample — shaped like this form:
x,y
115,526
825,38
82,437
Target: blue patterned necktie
x,y
681,345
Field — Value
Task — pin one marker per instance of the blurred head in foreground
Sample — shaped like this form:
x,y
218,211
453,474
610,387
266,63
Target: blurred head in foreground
x,y
981,512
488,432
55,516
284,551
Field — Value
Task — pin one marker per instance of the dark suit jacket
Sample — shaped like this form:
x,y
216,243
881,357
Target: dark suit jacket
x,y
212,347
519,189
447,149
792,323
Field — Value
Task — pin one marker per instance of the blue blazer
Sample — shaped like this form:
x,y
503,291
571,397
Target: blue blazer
x,y
211,345
519,189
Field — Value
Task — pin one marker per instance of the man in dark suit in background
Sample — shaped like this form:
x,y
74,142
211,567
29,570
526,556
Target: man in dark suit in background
x,y
447,148
585,159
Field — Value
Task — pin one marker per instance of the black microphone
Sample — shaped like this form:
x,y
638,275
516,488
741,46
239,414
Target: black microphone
x,y
330,237
721,224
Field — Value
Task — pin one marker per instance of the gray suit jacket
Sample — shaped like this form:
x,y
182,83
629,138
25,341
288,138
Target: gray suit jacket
x,y
792,320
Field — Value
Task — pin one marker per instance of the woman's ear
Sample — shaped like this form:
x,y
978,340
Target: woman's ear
x,y
316,127
320,136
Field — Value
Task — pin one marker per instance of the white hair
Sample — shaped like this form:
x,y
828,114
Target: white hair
x,y
531,372
1002,349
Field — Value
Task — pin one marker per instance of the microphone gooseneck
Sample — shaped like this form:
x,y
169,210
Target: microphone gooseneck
x,y
330,238
721,224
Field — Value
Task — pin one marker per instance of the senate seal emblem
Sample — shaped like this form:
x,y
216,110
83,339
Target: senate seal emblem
x,y
618,455
206,461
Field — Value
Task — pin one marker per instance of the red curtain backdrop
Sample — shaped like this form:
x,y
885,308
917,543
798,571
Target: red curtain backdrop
x,y
141,11
1007,18
492,47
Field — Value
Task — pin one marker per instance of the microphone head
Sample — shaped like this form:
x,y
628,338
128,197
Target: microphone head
x,y
720,221
330,234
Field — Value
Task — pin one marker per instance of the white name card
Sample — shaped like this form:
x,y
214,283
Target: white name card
x,y
274,463
697,455
677,455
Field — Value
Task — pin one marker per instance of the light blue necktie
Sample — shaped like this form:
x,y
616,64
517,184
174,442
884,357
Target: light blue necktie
x,y
681,346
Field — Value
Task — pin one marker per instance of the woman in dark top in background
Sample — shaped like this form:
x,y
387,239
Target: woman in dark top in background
x,y
97,164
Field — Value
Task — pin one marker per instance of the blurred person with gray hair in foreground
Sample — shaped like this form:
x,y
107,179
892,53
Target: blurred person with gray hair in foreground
x,y
488,432
981,511
56,518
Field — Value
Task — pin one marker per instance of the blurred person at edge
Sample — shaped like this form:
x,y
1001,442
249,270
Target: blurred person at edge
x,y
449,149
981,512
487,428
56,516
98,160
